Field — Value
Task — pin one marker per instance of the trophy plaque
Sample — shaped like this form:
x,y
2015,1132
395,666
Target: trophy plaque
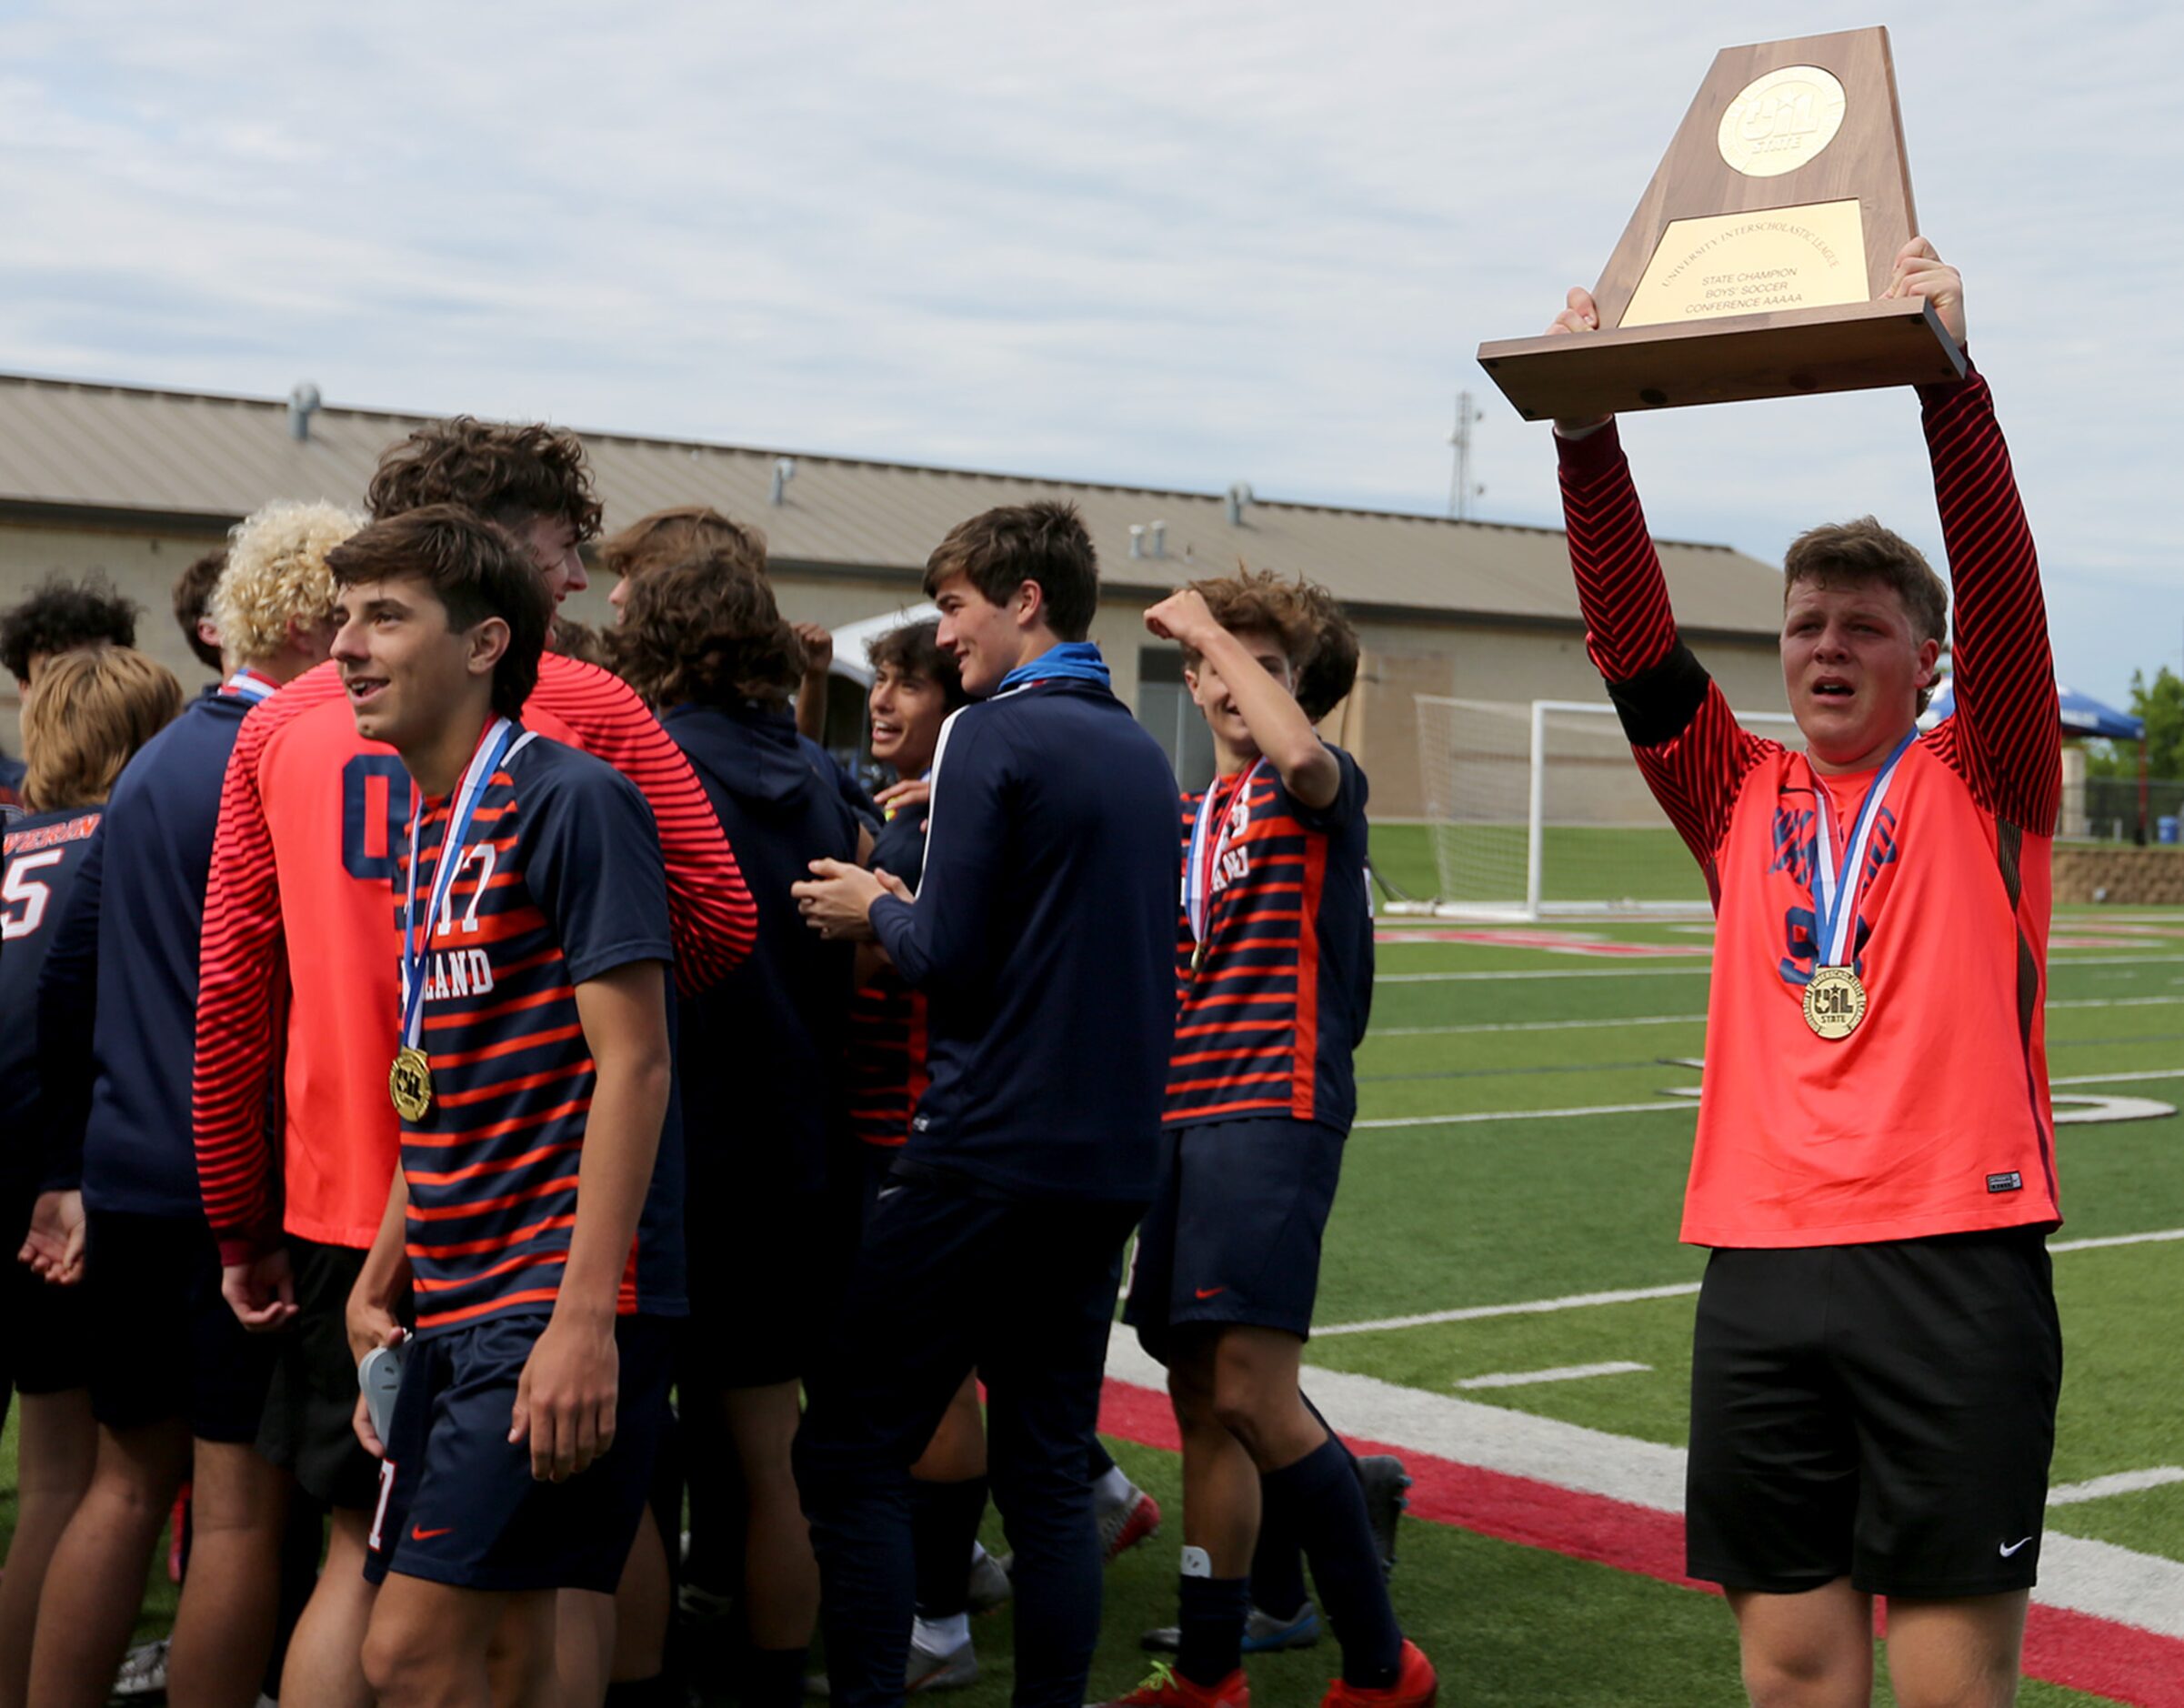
x,y
1754,265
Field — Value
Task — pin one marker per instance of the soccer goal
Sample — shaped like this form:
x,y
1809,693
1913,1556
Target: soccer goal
x,y
1538,809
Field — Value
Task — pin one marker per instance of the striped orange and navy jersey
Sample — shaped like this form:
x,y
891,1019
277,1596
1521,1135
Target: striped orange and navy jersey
x,y
298,962
1269,1022
1933,1117
886,1058
560,883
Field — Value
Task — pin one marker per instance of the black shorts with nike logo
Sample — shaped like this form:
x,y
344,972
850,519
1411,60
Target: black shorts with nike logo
x,y
1884,1412
1234,1232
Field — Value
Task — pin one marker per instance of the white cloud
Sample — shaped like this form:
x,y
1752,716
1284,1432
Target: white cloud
x,y
1168,245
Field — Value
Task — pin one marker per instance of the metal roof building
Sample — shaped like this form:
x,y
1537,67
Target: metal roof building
x,y
137,481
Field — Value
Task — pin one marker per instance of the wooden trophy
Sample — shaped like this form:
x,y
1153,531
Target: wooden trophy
x,y
1753,266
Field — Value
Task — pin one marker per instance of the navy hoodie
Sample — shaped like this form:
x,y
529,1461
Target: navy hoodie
x,y
118,999
760,1054
1043,938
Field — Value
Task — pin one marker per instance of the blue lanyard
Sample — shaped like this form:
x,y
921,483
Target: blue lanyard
x,y
1835,889
492,750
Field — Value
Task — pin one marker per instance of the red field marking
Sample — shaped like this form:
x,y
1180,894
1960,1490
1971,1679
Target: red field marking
x,y
1554,942
2074,1650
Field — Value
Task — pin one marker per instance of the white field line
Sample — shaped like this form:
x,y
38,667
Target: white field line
x,y
1702,968
2116,1483
1687,1020
2090,1577
1560,1373
1675,1290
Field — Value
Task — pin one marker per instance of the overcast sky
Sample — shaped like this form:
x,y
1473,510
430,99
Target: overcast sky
x,y
1177,245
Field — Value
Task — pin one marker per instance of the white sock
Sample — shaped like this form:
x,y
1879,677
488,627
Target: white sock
x,y
942,1636
1113,1489
978,1551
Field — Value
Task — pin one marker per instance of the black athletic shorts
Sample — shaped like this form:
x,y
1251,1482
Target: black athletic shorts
x,y
763,1273
457,1502
1884,1412
1234,1232
47,1331
309,1421
168,1346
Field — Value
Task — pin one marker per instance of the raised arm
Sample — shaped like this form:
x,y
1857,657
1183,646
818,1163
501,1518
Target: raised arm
x,y
238,968
2005,739
1686,741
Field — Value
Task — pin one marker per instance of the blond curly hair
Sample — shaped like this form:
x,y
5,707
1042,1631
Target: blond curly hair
x,y
277,575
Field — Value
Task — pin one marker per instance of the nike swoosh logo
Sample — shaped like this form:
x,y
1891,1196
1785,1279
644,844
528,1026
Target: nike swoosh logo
x,y
1207,1292
2012,1547
427,1535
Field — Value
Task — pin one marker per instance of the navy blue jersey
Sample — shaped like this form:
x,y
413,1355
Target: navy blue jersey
x,y
45,856
886,1067
1042,936
1267,1023
561,882
121,990
760,1054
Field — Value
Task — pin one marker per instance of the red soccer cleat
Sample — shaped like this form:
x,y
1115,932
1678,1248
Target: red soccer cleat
x,y
1127,1523
1166,1688
1415,1686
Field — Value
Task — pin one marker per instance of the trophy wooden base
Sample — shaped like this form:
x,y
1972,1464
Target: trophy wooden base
x,y
1853,346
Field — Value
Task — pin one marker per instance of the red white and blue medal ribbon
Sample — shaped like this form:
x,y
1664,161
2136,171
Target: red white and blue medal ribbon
x,y
493,750
1835,997
249,684
1209,843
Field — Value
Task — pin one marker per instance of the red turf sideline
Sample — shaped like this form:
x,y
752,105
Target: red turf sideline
x,y
2078,1651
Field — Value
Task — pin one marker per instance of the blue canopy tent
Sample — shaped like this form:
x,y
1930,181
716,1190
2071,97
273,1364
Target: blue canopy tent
x,y
2082,715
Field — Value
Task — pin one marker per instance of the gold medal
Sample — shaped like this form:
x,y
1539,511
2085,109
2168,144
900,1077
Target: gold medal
x,y
1835,1002
1197,956
409,1084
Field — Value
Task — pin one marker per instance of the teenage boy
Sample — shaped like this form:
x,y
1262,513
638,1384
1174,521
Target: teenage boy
x,y
535,1225
180,1388
63,615
1260,1097
1875,1144
760,1068
311,819
1041,935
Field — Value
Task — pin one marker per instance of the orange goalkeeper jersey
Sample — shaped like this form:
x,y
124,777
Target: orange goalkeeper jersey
x,y
1933,1117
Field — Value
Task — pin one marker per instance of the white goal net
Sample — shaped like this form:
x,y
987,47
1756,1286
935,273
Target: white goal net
x,y
1538,809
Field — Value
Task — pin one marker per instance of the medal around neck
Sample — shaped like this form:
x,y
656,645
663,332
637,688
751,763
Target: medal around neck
x,y
409,1081
1755,264
409,1084
1835,1002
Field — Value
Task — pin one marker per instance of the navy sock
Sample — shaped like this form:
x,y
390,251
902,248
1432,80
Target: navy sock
x,y
773,1678
1098,1462
1320,1499
943,1524
1278,1565
657,1691
1213,1611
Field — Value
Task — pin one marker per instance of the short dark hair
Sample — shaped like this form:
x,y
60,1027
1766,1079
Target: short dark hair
x,y
707,632
473,568
64,616
1327,678
192,593
678,534
506,473
1864,553
914,649
1046,542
